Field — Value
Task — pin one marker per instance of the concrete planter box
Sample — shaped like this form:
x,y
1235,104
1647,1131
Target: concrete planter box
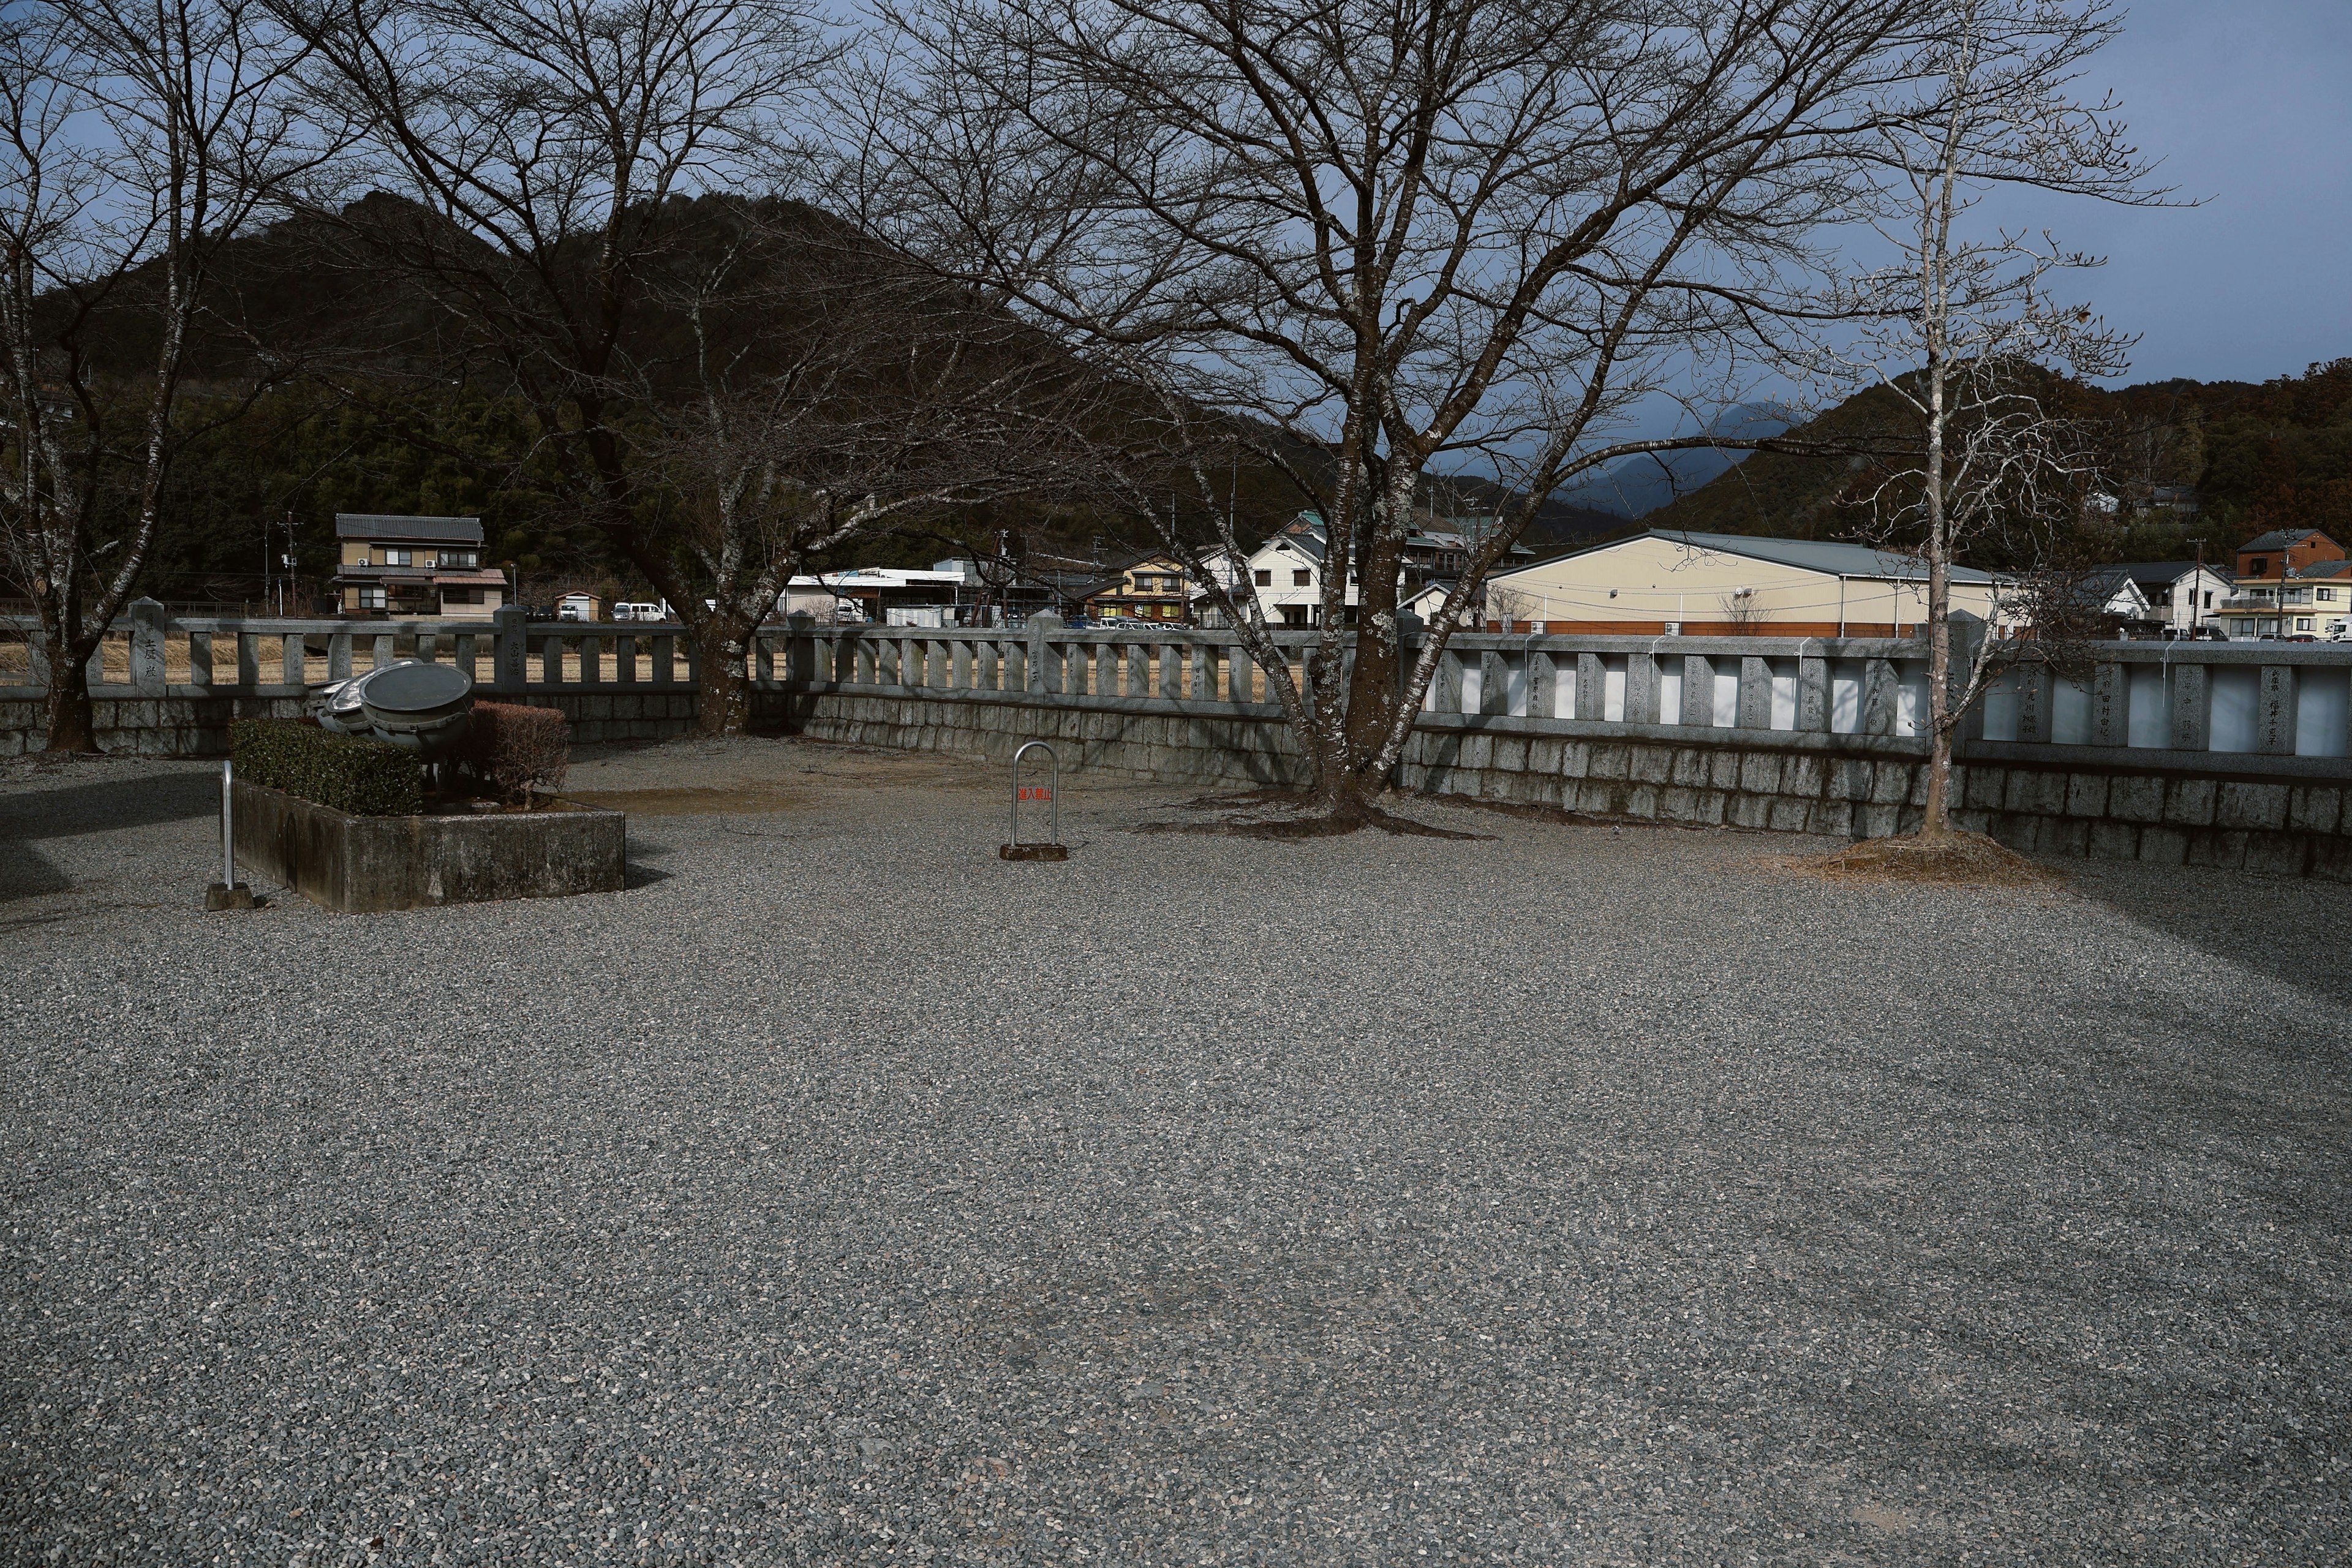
x,y
366,864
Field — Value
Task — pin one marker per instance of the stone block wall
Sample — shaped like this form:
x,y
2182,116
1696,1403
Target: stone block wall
x,y
146,726
1824,785
1838,786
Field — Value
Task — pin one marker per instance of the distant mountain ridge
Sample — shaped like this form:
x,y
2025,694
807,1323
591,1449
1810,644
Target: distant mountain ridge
x,y
1635,487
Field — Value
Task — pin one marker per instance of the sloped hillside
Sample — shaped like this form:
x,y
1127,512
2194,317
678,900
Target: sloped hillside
x,y
2257,457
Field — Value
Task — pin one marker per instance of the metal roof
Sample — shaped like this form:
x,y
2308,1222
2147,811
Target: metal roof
x,y
386,525
1827,557
2144,572
2281,539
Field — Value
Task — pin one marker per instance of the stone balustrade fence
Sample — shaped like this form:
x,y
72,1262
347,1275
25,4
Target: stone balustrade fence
x,y
2182,748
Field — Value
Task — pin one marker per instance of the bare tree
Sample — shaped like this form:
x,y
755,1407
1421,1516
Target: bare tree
x,y
539,153
1362,236
837,392
1742,613
1962,327
137,142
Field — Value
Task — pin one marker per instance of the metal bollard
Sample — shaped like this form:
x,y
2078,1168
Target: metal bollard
x,y
228,893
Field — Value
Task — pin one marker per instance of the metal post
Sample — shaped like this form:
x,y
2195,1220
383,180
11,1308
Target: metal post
x,y
226,894
1053,849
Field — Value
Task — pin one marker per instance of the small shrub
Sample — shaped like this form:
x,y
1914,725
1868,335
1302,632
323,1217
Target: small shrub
x,y
353,773
514,749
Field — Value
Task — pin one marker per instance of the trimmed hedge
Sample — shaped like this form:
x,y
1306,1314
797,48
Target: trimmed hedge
x,y
353,773
513,750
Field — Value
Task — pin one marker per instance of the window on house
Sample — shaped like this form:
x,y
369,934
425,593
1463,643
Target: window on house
x,y
1265,576
460,558
2208,598
2303,623
370,598
2327,595
399,557
1301,578
2262,567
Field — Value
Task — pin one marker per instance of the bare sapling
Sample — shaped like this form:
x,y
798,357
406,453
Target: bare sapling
x,y
1964,332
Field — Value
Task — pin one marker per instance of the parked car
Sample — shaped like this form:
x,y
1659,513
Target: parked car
x,y
638,611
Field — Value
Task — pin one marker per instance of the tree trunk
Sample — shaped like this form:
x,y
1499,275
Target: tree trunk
x,y
1936,821
73,725
724,689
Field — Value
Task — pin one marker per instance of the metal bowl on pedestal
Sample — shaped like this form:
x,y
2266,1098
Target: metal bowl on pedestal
x,y
424,707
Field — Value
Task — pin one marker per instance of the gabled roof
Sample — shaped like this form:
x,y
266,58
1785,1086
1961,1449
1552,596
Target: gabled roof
x,y
2282,539
2165,573
388,526
1439,587
1309,544
1308,532
2102,586
1827,557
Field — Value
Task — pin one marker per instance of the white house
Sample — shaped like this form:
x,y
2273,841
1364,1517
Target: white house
x,y
2112,591
1287,569
2182,594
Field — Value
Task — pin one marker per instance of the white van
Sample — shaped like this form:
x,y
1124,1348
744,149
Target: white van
x,y
639,612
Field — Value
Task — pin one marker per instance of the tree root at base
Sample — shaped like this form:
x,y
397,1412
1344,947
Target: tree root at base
x,y
1948,860
1308,818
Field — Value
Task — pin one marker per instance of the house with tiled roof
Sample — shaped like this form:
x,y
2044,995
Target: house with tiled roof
x,y
2183,596
2291,582
429,568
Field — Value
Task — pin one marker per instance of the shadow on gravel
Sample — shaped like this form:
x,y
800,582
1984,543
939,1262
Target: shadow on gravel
x,y
66,813
24,874
2212,911
103,807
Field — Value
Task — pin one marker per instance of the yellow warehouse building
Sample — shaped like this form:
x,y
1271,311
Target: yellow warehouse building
x,y
1669,582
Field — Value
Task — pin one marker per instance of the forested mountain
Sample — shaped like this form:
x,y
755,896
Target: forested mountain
x,y
2253,457
383,410
385,414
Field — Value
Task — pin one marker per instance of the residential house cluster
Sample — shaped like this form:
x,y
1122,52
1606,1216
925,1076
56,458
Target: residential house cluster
x,y
2288,583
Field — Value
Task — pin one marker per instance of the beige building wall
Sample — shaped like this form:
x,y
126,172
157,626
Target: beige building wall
x,y
1642,586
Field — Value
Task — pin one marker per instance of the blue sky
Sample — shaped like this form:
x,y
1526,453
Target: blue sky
x,y
2249,103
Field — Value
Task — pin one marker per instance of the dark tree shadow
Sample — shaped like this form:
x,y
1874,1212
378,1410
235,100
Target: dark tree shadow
x,y
32,816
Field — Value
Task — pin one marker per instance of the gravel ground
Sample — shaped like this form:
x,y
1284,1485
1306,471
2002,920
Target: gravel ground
x,y
838,1193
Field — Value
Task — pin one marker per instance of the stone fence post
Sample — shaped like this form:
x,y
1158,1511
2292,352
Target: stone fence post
x,y
512,667
799,649
147,624
1038,677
